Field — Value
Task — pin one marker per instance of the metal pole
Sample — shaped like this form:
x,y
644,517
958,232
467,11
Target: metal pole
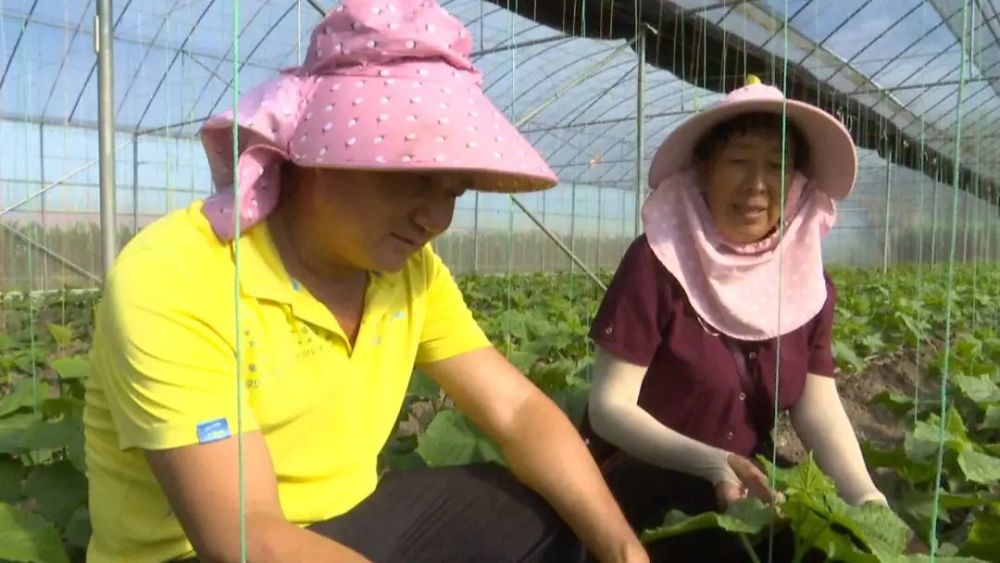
x,y
888,207
49,252
560,243
105,113
640,47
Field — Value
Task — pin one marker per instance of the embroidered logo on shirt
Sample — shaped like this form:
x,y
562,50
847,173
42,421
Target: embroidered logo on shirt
x,y
213,430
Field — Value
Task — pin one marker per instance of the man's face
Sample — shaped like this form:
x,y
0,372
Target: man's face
x,y
376,220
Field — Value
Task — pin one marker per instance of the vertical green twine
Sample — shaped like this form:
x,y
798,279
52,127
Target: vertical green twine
x,y
236,277
920,255
949,298
920,276
510,201
781,263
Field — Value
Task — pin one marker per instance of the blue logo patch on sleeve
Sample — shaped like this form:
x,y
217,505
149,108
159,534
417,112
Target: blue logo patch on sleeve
x,y
213,430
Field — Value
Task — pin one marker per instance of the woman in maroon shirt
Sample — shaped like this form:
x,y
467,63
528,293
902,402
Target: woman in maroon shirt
x,y
728,272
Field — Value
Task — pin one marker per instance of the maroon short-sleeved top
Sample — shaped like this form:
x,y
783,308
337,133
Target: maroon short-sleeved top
x,y
692,384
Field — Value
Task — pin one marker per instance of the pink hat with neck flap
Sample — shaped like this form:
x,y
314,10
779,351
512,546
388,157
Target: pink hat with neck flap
x,y
386,86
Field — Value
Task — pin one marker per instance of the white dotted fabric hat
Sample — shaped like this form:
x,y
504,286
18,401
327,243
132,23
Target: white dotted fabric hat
x,y
386,86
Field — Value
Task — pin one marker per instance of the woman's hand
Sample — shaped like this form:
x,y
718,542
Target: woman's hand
x,y
753,483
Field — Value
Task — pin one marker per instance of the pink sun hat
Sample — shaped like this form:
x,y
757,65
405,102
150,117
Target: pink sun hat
x,y
386,86
833,162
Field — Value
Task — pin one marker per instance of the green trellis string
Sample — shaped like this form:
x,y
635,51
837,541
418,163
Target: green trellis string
x,y
920,274
949,298
781,261
236,276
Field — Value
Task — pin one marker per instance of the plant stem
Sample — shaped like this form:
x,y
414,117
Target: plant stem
x,y
749,548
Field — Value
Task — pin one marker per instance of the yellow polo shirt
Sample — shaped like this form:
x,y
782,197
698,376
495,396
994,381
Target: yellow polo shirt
x,y
164,375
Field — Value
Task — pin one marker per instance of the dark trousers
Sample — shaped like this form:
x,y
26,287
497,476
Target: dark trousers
x,y
646,493
477,513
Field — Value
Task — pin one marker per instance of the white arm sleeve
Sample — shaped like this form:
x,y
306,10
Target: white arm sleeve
x,y
822,424
616,416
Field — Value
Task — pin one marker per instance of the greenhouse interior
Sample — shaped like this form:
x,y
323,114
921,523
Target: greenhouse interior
x,y
102,105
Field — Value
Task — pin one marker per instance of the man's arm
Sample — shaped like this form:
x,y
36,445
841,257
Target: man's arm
x,y
201,483
541,446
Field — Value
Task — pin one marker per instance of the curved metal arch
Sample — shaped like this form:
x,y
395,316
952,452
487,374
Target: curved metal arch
x,y
249,56
913,44
173,61
138,70
17,43
577,109
93,67
65,57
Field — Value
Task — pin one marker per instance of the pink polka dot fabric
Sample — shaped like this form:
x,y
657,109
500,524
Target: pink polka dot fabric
x,y
734,287
386,86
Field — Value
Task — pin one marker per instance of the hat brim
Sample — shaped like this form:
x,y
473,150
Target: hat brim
x,y
832,163
406,124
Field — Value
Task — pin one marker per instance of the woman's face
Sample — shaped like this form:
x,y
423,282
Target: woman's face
x,y
743,179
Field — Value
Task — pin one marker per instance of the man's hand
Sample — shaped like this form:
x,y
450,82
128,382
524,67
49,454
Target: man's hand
x,y
753,483
542,448
200,483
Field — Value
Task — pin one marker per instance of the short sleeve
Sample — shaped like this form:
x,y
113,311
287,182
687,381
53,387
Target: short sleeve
x,y
633,314
449,328
167,368
821,336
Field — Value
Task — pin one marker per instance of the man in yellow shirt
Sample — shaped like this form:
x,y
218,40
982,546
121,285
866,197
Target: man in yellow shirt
x,y
252,351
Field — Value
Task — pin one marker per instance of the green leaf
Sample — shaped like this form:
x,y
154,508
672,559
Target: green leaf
x,y
73,367
876,525
942,559
17,422
22,396
984,537
805,478
914,471
572,400
523,361
422,387
62,334
846,357
978,389
28,537
41,435
452,439
11,475
746,516
899,405
59,490
64,406
978,467
78,529
991,420
968,346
